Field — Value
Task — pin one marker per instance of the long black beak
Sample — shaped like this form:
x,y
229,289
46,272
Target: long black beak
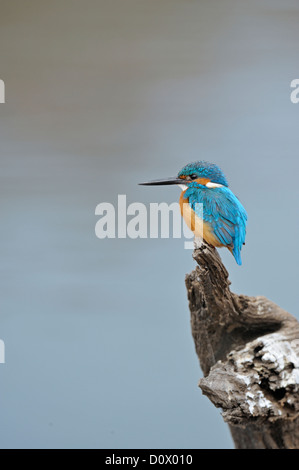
x,y
173,180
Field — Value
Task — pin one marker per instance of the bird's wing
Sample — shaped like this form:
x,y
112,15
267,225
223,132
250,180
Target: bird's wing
x,y
225,215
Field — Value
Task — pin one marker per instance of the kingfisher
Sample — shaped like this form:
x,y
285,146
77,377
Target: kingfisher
x,y
209,207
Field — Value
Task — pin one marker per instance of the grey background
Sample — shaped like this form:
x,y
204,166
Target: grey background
x,y
101,95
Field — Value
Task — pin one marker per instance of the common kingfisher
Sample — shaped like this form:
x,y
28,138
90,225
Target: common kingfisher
x,y
222,220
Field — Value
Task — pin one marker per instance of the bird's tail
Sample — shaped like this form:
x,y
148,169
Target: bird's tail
x,y
238,243
237,256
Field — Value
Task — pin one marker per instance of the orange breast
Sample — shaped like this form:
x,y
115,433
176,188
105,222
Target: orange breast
x,y
200,228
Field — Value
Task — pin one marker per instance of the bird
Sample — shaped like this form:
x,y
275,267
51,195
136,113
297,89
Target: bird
x,y
221,219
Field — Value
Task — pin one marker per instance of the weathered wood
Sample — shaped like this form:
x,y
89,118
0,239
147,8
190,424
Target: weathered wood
x,y
248,348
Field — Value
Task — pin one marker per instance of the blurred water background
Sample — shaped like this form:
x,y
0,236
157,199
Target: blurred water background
x,y
100,96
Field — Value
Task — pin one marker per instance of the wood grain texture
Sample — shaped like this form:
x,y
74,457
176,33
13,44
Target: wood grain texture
x,y
248,348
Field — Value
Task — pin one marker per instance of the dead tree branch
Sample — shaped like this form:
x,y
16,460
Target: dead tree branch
x,y
248,348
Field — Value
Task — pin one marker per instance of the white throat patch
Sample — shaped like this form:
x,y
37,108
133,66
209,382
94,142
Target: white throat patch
x,y
214,185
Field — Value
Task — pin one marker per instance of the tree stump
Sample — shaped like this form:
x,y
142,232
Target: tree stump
x,y
248,348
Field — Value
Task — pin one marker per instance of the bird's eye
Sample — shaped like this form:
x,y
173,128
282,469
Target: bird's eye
x,y
191,177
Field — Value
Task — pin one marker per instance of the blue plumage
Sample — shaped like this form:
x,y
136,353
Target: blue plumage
x,y
204,170
224,213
